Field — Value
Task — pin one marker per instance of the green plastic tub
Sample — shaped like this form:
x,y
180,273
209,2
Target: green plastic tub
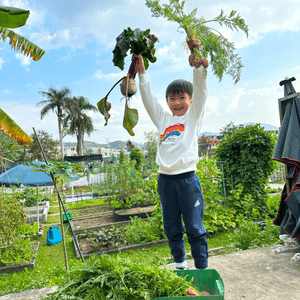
x,y
205,280
70,216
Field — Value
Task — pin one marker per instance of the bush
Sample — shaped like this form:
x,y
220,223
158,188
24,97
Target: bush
x,y
142,232
12,215
247,156
218,215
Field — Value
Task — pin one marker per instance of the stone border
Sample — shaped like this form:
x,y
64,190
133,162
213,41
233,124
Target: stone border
x,y
21,267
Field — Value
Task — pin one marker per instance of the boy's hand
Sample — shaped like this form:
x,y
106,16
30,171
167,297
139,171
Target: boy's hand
x,y
140,63
194,62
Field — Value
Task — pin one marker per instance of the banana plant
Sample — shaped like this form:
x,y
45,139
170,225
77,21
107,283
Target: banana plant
x,y
12,129
12,17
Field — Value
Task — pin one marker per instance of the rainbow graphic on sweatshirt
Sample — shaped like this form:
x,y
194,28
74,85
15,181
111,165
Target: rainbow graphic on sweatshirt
x,y
176,129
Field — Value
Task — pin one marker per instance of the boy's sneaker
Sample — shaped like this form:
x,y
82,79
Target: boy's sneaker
x,y
181,266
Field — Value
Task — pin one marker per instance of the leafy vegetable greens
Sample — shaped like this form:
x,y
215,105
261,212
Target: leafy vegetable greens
x,y
137,42
212,42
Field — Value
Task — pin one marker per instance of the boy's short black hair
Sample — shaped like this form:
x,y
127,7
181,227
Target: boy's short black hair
x,y
179,86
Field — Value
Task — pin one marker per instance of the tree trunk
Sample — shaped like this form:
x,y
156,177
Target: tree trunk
x,y
80,144
61,138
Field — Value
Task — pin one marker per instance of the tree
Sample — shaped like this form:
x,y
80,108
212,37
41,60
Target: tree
x,y
79,123
50,146
129,146
229,129
137,156
247,156
10,150
151,146
60,102
122,158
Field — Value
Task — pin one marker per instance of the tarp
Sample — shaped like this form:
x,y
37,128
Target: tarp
x,y
22,175
80,158
287,151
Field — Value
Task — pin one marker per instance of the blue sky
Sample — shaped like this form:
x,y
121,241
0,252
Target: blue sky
x,y
79,36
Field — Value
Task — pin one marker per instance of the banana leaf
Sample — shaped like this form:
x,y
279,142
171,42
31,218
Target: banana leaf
x,y
12,17
21,44
12,129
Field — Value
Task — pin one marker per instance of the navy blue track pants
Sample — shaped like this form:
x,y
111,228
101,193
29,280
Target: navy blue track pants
x,y
181,197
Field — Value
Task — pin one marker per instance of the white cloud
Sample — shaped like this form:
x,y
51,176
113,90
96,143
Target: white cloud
x,y
1,63
24,60
115,76
237,93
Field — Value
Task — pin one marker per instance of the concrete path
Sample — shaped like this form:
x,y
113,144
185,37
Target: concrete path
x,y
257,274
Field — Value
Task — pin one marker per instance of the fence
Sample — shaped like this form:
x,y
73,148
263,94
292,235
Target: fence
x,y
279,175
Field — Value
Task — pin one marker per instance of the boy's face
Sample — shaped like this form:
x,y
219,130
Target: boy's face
x,y
180,103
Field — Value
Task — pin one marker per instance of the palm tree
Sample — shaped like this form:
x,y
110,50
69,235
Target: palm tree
x,y
80,123
60,102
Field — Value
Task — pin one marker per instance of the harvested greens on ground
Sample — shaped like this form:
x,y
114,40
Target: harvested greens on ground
x,y
105,277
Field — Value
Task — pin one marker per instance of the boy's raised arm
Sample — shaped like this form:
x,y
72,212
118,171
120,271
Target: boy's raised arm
x,y
199,82
151,104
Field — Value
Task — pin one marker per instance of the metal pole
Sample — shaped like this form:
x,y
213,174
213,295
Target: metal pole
x,y
59,197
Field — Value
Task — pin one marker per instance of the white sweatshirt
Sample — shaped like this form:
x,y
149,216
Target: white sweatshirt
x,y
177,149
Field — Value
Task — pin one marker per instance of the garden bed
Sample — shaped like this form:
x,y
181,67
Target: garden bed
x,y
86,247
90,210
21,267
142,211
95,222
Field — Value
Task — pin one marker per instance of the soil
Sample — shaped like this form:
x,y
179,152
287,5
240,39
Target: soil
x,y
93,221
136,210
106,219
90,210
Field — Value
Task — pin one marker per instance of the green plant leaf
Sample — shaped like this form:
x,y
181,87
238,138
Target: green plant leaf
x,y
104,107
213,44
12,17
131,118
138,42
12,129
21,44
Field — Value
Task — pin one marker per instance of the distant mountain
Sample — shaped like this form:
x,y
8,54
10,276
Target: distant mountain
x,y
118,145
267,127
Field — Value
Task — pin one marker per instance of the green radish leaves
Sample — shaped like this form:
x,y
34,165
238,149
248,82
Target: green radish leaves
x,y
213,44
138,42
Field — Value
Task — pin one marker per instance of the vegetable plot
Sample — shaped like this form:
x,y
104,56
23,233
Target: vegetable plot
x,y
212,42
137,42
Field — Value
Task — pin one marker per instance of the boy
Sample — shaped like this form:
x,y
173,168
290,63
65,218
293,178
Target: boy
x,y
177,155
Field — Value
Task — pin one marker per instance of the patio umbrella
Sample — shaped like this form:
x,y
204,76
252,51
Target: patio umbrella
x,y
21,174
287,151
